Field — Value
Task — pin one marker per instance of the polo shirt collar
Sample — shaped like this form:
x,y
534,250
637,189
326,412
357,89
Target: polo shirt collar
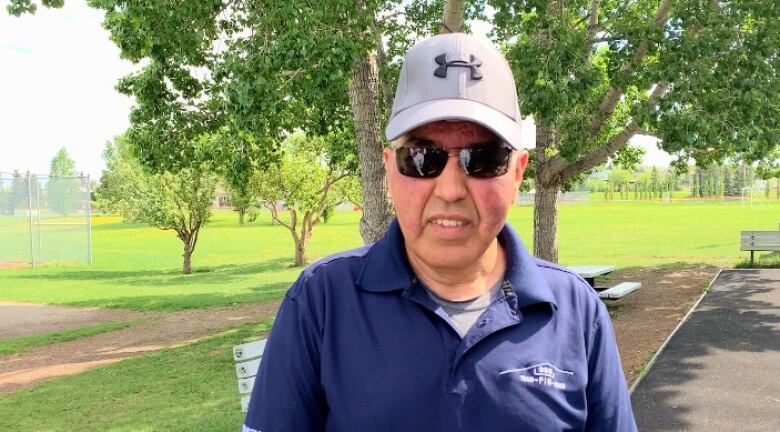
x,y
387,269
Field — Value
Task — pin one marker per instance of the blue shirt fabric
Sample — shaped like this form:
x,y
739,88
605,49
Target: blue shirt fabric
x,y
359,345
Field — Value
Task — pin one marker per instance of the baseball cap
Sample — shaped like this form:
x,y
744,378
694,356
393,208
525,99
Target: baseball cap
x,y
456,76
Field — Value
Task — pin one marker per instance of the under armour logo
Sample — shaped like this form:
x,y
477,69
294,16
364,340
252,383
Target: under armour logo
x,y
473,64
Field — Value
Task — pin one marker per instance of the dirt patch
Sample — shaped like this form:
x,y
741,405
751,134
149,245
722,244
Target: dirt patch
x,y
7,265
26,319
158,332
646,317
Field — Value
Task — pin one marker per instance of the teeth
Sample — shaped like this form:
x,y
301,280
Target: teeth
x,y
448,222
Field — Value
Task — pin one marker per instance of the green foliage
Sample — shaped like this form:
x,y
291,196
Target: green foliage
x,y
63,189
20,7
15,195
62,165
178,201
720,58
308,180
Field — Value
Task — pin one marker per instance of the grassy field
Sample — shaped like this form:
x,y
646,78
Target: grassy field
x,y
191,388
138,267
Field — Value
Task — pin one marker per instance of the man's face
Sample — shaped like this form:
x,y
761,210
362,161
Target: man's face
x,y
450,221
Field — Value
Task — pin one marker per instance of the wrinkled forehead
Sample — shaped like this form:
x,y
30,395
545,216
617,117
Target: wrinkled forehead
x,y
451,133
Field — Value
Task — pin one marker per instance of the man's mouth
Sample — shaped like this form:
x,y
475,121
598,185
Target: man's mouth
x,y
448,222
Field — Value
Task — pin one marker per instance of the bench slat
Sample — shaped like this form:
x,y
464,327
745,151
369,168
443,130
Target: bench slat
x,y
247,369
620,290
760,240
249,350
245,385
245,403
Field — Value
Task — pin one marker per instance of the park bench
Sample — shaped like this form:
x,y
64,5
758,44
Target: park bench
x,y
760,241
247,357
620,290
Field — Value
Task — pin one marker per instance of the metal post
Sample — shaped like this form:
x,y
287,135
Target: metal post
x,y
89,221
29,218
38,199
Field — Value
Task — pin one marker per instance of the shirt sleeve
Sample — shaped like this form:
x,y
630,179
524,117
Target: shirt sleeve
x,y
287,395
609,406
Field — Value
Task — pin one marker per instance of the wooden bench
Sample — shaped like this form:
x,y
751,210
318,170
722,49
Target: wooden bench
x,y
247,357
620,290
760,241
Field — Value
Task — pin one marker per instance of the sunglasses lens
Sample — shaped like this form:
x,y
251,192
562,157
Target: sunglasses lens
x,y
483,161
421,162
486,161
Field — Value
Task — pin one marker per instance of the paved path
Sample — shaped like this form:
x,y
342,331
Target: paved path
x,y
721,371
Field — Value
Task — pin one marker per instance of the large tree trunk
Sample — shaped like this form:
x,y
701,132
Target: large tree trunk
x,y
364,99
548,184
546,222
452,21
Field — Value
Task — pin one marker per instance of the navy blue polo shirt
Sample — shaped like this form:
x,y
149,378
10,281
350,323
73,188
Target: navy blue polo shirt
x,y
359,345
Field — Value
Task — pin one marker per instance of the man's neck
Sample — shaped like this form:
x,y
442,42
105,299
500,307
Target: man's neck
x,y
463,283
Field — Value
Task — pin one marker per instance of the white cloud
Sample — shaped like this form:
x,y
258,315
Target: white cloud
x,y
58,69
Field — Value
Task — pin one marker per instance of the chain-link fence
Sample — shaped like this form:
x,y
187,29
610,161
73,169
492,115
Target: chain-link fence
x,y
44,219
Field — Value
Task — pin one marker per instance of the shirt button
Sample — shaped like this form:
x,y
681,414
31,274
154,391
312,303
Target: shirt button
x,y
482,323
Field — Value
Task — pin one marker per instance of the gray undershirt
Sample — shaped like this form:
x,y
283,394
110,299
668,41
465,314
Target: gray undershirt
x,y
466,312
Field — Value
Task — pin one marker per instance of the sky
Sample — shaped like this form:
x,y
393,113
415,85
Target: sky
x,y
58,70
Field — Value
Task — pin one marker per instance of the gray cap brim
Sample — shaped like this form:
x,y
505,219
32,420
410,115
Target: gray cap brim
x,y
455,109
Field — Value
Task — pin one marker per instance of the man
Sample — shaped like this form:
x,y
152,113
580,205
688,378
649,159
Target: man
x,y
446,323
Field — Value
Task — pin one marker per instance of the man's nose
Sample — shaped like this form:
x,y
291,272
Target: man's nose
x,y
451,183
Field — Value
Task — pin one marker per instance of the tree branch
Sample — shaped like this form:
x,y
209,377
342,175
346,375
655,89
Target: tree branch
x,y
593,21
612,97
275,216
600,154
381,59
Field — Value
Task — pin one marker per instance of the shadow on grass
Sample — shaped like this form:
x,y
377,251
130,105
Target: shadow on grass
x,y
733,317
172,302
202,275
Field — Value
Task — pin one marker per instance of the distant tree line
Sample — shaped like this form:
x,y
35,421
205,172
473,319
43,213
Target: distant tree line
x,y
624,184
723,180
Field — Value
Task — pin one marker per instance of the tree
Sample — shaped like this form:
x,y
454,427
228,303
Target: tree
x,y
63,188
308,181
178,201
699,75
16,194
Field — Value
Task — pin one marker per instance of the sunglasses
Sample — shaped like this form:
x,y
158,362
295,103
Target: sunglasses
x,y
422,159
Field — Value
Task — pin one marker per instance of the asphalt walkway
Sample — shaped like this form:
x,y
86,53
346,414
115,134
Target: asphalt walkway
x,y
721,370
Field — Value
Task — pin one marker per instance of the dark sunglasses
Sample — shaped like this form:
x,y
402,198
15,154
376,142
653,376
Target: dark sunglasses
x,y
421,159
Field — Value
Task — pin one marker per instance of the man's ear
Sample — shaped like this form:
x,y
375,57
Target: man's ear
x,y
520,165
386,156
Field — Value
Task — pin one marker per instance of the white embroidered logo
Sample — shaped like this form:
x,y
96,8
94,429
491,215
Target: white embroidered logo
x,y
543,374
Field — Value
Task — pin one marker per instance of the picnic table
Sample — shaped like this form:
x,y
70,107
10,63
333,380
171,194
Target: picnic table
x,y
589,272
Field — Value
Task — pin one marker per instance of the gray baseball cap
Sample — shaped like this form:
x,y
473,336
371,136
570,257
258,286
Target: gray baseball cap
x,y
456,76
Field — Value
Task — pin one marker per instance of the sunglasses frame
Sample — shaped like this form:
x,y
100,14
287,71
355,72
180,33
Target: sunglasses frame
x,y
463,158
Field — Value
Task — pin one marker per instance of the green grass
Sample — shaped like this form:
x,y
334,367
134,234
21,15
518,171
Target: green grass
x,y
190,388
23,344
138,267
761,260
